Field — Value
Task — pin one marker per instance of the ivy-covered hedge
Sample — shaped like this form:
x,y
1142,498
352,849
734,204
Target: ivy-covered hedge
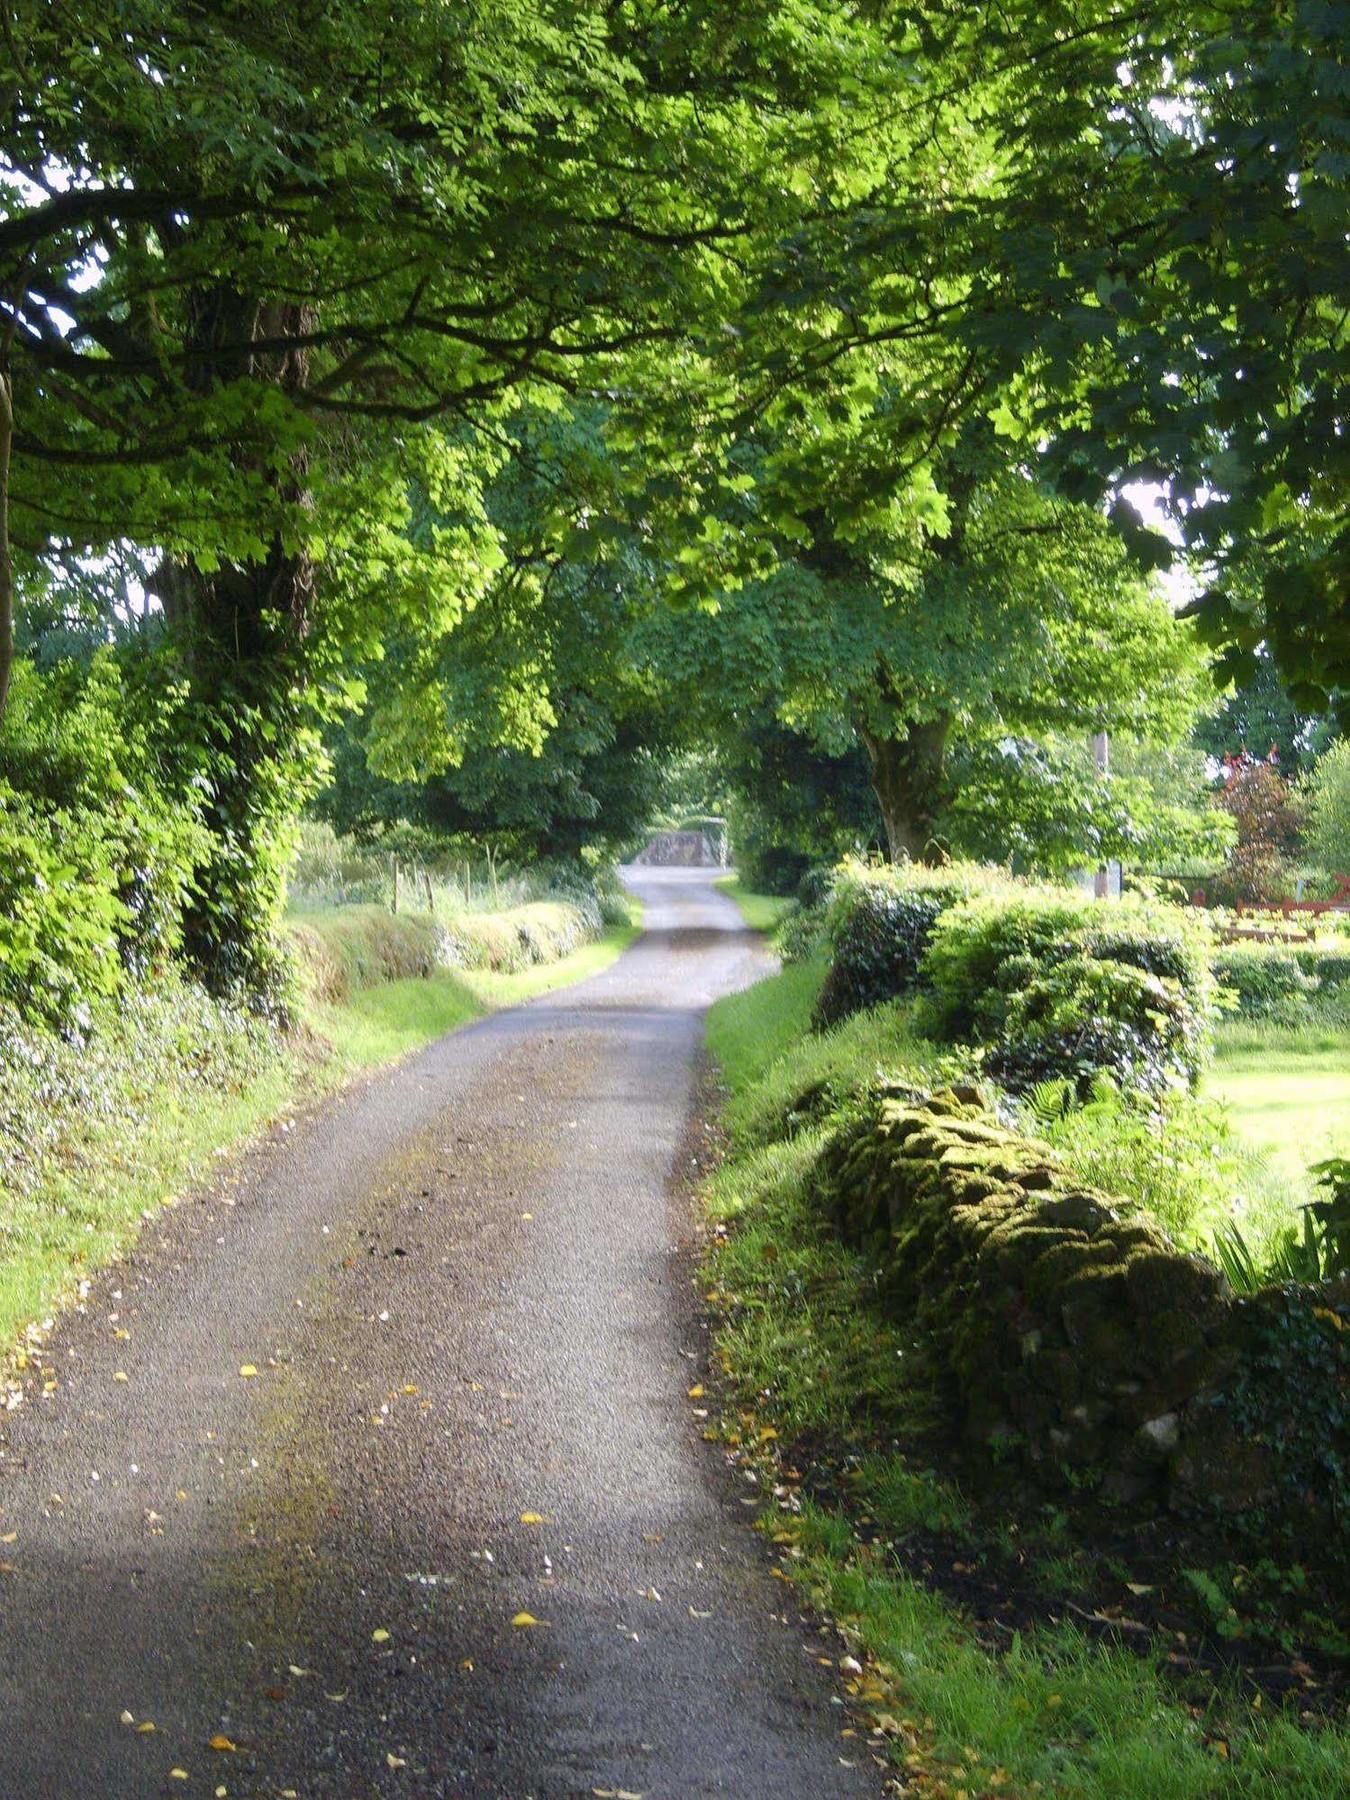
x,y
1072,1335
96,858
349,947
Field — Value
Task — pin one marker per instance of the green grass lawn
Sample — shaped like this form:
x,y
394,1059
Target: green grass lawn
x,y
761,912
1288,1097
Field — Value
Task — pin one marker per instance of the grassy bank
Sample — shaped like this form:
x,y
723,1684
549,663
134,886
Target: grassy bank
x,y
118,1128
979,1619
761,912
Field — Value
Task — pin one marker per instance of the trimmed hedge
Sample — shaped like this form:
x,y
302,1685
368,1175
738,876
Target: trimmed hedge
x,y
1051,983
1072,1335
879,924
1281,982
350,947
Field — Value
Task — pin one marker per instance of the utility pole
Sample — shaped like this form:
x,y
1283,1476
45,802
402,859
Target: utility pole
x,y
1101,760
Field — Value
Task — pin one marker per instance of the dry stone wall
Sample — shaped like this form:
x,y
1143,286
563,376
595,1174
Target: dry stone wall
x,y
1073,1334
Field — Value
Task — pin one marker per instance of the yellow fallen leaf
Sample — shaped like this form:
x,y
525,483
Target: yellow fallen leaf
x,y
9,1537
467,1665
146,1725
524,1618
248,1371
379,1635
221,1792
178,1774
297,1671
532,1518
696,1392
395,1762
767,1435
409,1387
120,1375
220,1742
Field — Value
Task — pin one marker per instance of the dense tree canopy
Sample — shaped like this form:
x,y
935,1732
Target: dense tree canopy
x,y
871,312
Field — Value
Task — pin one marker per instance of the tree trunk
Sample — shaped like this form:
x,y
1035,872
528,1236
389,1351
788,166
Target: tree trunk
x,y
6,556
240,631
907,780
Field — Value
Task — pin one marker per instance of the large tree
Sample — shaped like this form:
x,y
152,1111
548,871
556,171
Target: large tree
x,y
245,251
1005,609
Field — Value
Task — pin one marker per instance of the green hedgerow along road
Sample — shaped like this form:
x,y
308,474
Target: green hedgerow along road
x,y
374,1471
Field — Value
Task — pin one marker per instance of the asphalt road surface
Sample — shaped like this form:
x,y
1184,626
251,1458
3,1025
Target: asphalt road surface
x,y
464,1288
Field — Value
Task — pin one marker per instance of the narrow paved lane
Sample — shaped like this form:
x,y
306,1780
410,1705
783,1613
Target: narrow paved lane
x,y
463,1292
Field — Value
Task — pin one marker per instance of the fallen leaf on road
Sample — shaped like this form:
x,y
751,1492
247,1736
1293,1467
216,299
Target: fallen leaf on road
x,y
221,1742
8,1537
379,1635
145,1726
696,1392
297,1671
128,1718
178,1774
395,1762
408,1387
616,1794
532,1518
523,1618
694,1613
120,1375
248,1371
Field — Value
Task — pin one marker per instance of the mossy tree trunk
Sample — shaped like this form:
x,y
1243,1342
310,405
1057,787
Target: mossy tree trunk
x,y
907,774
241,631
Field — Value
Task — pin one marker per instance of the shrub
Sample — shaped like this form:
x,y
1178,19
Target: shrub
x,y
801,933
96,858
1086,1016
987,947
1266,982
1331,967
66,1103
879,924
1058,985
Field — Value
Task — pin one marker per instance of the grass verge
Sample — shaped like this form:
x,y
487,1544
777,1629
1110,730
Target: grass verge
x,y
377,1025
132,1144
958,1602
761,912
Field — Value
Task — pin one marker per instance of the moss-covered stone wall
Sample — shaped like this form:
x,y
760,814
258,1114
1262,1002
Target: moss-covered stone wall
x,y
1074,1335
